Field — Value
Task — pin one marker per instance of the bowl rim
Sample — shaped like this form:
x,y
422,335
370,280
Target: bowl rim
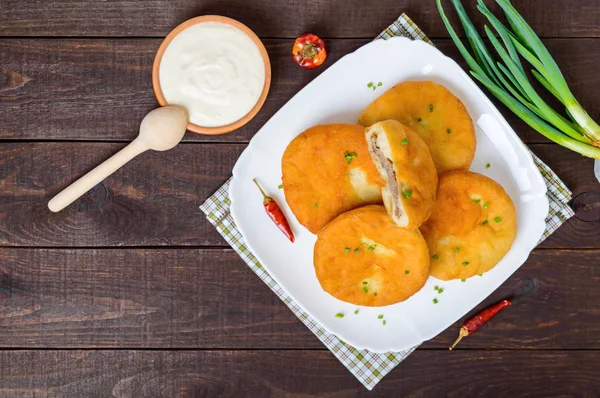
x,y
228,21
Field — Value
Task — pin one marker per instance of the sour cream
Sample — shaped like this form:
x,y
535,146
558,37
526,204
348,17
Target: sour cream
x,y
215,71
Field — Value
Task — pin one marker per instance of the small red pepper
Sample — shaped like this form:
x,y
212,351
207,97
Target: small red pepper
x,y
274,212
309,51
475,323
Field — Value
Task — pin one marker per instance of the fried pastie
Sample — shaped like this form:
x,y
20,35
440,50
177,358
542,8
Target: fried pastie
x,y
326,171
364,258
435,114
405,164
473,226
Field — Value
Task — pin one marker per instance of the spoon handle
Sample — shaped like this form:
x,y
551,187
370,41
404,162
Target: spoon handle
x,y
94,177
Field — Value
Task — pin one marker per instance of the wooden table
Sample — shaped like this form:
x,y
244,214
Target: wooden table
x,y
130,292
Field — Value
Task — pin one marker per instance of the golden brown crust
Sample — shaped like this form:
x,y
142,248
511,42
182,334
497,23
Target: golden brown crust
x,y
393,261
435,114
472,227
320,183
414,169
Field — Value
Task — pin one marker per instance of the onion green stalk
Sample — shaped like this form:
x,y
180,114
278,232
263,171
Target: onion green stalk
x,y
508,81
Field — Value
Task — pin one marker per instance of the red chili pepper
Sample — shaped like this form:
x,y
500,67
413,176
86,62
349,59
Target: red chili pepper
x,y
275,214
309,51
475,323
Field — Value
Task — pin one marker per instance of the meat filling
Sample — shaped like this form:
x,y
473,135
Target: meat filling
x,y
388,166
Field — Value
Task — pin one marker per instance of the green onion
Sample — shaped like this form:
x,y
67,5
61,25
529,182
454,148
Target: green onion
x,y
504,75
383,322
449,131
407,193
456,250
349,156
371,248
404,141
484,222
497,219
435,257
465,263
365,290
430,107
419,120
365,283
375,294
356,312
379,84
436,288
435,301
485,205
407,272
280,186
487,166
346,250
440,291
339,315
380,317
370,84
463,280
356,250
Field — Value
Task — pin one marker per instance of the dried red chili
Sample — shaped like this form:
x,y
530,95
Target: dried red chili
x,y
475,323
309,51
274,212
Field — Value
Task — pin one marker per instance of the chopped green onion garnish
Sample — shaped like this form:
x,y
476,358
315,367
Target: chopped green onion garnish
x,y
476,200
419,120
379,84
365,283
484,222
384,322
463,280
487,166
370,84
316,205
435,301
407,272
430,107
407,193
347,250
404,141
435,257
356,250
380,317
365,290
280,186
480,274
465,263
371,248
356,312
449,131
339,315
440,291
349,156
436,288
375,294
456,250
497,219
485,205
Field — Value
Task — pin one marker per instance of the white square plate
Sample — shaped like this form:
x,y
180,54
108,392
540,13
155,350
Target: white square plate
x,y
339,95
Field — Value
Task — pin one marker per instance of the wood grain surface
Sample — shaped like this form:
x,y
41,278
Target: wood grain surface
x,y
334,18
154,200
100,89
183,374
199,298
130,292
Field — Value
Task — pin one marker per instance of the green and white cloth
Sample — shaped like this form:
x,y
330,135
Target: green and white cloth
x,y
368,367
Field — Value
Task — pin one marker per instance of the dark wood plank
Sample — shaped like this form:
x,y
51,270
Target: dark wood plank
x,y
348,18
191,298
156,374
101,89
154,200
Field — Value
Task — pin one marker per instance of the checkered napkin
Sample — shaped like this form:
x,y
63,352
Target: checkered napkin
x,y
368,367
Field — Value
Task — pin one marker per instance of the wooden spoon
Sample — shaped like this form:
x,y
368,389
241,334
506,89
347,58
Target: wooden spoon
x,y
160,130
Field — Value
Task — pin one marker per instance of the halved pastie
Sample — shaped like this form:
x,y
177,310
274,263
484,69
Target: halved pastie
x,y
404,162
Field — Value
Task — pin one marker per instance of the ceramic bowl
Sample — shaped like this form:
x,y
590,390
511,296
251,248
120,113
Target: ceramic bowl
x,y
261,48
